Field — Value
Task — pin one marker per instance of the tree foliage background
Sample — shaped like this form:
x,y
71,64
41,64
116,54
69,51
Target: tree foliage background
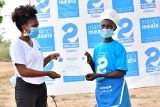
x,y
4,45
2,3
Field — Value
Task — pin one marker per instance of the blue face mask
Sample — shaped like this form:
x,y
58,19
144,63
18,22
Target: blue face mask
x,y
106,33
33,32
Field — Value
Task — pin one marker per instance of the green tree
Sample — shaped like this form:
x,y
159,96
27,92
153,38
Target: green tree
x,y
4,45
2,3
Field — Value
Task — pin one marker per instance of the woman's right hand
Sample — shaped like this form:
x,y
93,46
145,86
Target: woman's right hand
x,y
53,74
89,58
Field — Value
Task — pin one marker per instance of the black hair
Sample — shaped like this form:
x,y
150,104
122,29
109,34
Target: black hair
x,y
23,14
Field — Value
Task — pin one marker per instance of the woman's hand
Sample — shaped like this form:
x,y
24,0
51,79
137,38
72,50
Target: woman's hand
x,y
54,56
53,74
50,57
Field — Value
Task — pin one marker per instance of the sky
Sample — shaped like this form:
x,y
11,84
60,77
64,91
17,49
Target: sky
x,y
9,27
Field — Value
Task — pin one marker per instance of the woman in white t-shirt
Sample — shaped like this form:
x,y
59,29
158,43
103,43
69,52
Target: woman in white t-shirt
x,y
28,61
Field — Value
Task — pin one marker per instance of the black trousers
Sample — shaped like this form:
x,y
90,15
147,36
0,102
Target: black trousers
x,y
30,95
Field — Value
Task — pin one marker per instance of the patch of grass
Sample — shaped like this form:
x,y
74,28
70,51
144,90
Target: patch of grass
x,y
4,51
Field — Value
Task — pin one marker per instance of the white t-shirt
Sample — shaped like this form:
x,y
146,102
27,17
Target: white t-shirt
x,y
31,57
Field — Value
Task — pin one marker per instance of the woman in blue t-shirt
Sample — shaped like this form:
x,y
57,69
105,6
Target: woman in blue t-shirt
x,y
109,65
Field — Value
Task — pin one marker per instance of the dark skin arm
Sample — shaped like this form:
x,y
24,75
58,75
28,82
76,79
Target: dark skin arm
x,y
90,61
26,72
50,57
115,74
94,75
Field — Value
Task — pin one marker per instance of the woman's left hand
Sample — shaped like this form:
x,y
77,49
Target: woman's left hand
x,y
55,56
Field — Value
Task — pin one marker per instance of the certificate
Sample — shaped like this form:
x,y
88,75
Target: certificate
x,y
73,68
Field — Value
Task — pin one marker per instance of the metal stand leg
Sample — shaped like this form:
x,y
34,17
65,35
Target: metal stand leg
x,y
53,97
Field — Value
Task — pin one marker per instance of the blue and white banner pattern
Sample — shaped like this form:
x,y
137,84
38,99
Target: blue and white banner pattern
x,y
71,27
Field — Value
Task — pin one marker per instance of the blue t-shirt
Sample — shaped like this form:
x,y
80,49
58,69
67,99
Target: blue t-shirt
x,y
111,92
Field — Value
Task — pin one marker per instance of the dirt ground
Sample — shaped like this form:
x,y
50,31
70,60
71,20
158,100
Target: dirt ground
x,y
140,97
